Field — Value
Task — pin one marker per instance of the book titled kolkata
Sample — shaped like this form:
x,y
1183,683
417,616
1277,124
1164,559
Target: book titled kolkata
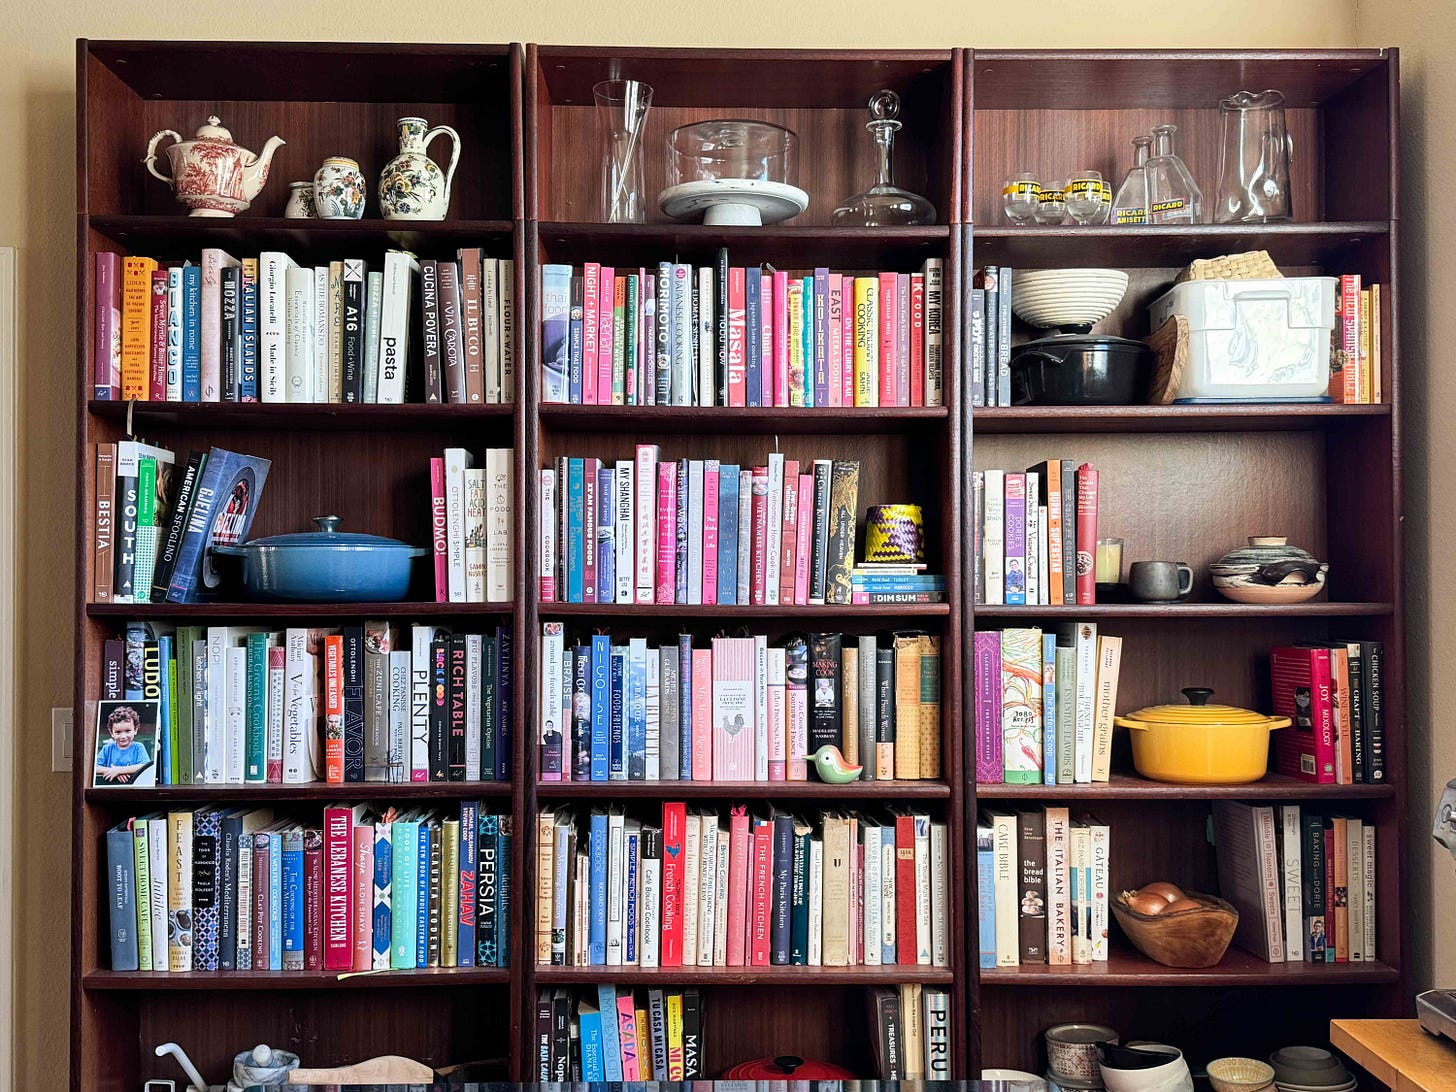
x,y
1302,688
221,514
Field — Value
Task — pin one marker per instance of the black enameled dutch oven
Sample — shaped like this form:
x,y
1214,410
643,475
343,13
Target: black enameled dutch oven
x,y
1081,370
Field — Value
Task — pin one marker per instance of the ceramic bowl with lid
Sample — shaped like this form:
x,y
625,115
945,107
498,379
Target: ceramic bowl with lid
x,y
1199,743
1268,570
325,565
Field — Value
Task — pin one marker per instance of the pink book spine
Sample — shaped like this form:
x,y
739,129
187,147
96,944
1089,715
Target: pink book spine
x,y
157,372
361,897
277,661
778,732
589,530
733,711
627,1026
666,531
796,723
781,338
766,337
889,323
835,345
546,581
590,316
846,343
710,532
789,533
338,841
737,337
806,534
106,350
902,339
759,568
606,297
738,855
438,530
702,683
917,339
758,925
990,765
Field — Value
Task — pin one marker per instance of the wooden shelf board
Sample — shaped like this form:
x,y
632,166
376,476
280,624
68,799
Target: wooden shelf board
x,y
1266,417
736,790
742,976
295,980
1192,610
1164,245
1237,968
269,232
683,610
739,420
312,790
274,415
421,609
1126,786
788,246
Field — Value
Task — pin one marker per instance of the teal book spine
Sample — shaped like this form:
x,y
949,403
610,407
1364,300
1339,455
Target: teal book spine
x,y
256,733
799,906
275,902
402,894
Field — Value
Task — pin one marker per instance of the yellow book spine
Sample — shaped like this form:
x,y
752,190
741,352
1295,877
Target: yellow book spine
x,y
545,879
450,895
1377,388
1367,390
644,1046
1109,665
907,707
675,1066
866,341
929,707
136,326
796,343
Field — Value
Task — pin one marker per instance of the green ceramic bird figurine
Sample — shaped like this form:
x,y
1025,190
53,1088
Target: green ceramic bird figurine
x,y
831,766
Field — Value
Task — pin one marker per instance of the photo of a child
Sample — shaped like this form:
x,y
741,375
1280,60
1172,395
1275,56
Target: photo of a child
x,y
126,743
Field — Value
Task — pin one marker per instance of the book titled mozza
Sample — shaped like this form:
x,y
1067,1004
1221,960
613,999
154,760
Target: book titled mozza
x,y
267,329
359,888
737,708
726,888
365,702
613,1033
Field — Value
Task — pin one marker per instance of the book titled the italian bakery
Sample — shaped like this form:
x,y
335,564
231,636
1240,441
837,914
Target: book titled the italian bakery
x,y
223,506
1301,690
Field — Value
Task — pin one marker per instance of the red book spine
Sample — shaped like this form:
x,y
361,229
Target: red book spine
x,y
761,886
889,336
759,568
590,316
802,554
666,531
334,710
361,897
1086,535
338,939
106,349
313,901
1306,749
710,532
738,855
737,334
789,533
589,529
438,530
277,661
1332,928
904,889
606,298
260,902
917,339
157,371
674,819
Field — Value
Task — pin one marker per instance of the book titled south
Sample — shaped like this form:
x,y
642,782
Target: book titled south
x,y
221,514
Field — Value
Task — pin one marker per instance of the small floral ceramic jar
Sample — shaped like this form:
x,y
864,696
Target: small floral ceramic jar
x,y
300,202
338,190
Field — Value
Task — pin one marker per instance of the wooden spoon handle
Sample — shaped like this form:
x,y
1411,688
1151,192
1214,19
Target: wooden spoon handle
x,y
387,1069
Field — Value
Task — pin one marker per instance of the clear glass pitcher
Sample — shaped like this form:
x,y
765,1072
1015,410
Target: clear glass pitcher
x,y
1253,173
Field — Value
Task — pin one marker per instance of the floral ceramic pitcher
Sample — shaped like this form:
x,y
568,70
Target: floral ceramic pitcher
x,y
412,186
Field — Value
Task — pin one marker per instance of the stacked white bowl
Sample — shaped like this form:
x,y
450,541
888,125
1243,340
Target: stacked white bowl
x,y
1310,1069
1066,297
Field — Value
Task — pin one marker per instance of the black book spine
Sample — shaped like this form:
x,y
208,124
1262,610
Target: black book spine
x,y
1069,532
113,653
1355,715
456,688
826,653
720,326
1313,888
560,1035
167,555
353,365
488,871
437,862
353,703
692,1008
819,554
124,549
543,1035
230,278
889,1027
227,954
1373,653
487,701
439,709
1031,845
505,692
430,320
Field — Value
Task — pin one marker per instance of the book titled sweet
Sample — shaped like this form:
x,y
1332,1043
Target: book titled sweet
x,y
221,514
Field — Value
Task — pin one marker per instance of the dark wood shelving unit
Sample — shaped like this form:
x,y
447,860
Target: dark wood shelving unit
x,y
1178,481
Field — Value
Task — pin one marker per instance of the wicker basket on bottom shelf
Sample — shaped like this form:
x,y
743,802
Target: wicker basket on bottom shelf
x,y
1183,938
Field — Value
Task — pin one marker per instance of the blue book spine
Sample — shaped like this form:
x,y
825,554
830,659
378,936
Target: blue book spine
x,y
680,524
606,535
821,336
165,655
685,705
592,1069
1049,708
275,902
206,858
383,894
753,339
618,730
986,895
121,898
192,333
728,535
465,931
783,889
293,899
422,896
636,706
630,953
402,896
505,697
806,341
597,883
248,388
503,893
575,526
601,706
555,331
574,342
611,1036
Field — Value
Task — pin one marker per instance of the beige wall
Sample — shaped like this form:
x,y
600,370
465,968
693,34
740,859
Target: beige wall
x,y
36,213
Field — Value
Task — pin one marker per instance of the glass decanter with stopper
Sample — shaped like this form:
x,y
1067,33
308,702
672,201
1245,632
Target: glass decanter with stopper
x,y
884,203
1173,196
1130,206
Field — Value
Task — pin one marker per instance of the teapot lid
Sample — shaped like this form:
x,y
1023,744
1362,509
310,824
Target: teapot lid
x,y
213,130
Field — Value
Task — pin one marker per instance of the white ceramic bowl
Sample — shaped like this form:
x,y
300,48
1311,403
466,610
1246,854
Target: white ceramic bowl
x,y
1066,297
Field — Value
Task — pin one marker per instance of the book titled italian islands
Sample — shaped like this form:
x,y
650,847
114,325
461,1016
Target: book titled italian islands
x,y
220,514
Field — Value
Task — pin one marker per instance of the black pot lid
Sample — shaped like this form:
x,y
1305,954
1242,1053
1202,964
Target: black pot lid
x,y
1081,341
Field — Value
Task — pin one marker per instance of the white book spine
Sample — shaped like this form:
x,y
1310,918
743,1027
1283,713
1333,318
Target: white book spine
x,y
394,325
939,896
420,638
276,686
1059,890
993,538
245,903
472,706
625,536
490,348
653,733
457,461
1086,648
888,937
1269,882
374,304
707,899
500,525
761,724
695,532
236,661
682,342
399,716
1292,862
1043,567
214,730
508,330
870,893
273,267
649,905
1368,854
1003,829
157,896
772,559
692,882
475,533
1355,891
297,333
815,954
934,332
616,887
546,541
319,378
296,719
775,681
705,341
921,826
174,337
1100,840
646,519
720,912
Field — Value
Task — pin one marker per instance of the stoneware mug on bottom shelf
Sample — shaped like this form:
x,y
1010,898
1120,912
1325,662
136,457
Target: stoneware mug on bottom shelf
x,y
1159,581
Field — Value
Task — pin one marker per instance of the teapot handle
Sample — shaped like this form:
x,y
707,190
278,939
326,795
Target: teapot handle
x,y
151,159
454,153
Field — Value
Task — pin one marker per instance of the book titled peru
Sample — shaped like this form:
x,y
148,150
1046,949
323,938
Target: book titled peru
x,y
221,513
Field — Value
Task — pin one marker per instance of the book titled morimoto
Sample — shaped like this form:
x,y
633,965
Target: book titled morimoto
x,y
223,505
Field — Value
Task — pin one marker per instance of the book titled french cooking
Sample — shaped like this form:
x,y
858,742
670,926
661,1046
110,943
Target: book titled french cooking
x,y
221,514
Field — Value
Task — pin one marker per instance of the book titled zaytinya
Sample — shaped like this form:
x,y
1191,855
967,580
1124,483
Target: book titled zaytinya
x,y
221,513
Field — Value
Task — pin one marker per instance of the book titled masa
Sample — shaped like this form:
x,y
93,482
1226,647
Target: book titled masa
x,y
223,504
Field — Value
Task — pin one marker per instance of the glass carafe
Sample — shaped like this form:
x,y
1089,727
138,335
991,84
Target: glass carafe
x,y
1130,206
1173,196
884,203
1253,171
622,107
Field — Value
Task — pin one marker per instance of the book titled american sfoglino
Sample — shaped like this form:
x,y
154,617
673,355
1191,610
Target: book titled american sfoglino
x,y
221,514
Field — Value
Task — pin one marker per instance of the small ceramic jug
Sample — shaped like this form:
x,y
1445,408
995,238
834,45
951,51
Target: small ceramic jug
x,y
338,189
411,186
300,202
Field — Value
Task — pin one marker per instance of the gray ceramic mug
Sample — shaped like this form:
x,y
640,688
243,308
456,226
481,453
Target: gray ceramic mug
x,y
1159,581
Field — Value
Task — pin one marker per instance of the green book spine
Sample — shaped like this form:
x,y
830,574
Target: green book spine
x,y
182,720
255,753
799,900
630,340
619,342
172,705
143,894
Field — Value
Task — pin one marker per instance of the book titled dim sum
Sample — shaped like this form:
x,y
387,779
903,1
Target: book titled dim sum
x,y
221,513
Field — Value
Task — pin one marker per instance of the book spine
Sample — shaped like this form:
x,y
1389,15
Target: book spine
x,y
106,336
173,387
1086,535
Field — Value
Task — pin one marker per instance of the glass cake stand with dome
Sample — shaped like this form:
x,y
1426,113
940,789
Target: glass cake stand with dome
x,y
732,171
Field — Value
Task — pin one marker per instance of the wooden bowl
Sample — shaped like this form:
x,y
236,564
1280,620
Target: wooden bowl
x,y
1185,938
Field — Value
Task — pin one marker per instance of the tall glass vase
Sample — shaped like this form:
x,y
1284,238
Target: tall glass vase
x,y
622,107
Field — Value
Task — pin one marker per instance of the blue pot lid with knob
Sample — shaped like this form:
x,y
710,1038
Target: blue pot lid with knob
x,y
329,536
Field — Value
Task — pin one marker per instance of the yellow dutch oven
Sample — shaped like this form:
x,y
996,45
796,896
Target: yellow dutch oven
x,y
1199,743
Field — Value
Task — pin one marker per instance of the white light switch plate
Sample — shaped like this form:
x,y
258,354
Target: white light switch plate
x,y
61,739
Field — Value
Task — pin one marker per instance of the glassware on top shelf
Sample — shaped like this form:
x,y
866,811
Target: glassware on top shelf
x,y
1253,173
1130,206
1051,204
1173,196
1084,195
884,203
622,107
1019,197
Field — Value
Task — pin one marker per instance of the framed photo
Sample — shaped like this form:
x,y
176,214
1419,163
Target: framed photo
x,y
126,743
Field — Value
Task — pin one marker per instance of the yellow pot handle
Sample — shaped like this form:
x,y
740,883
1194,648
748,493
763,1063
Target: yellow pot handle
x,y
1275,723
1126,722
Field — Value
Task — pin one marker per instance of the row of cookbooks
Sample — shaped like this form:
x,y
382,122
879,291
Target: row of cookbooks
x,y
267,329
699,531
359,702
1356,352
1334,693
154,527
709,888
1035,535
1044,703
738,709
726,335
235,889
473,526
988,321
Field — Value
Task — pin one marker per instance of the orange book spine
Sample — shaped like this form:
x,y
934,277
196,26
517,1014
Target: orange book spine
x,y
334,709
1340,694
136,326
1377,384
1349,325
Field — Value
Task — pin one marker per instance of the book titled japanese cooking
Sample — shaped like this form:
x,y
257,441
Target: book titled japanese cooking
x,y
220,513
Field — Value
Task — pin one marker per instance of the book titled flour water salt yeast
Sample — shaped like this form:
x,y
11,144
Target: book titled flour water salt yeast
x,y
726,335
267,329
237,889
358,702
716,888
737,708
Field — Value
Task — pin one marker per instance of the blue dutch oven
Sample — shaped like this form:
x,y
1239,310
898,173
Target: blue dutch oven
x,y
326,565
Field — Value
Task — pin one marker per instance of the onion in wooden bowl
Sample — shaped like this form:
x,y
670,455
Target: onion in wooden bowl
x,y
1181,936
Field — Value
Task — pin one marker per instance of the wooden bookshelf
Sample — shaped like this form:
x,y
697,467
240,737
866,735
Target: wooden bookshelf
x,y
1183,481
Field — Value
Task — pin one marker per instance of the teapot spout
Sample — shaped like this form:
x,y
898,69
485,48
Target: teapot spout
x,y
255,173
